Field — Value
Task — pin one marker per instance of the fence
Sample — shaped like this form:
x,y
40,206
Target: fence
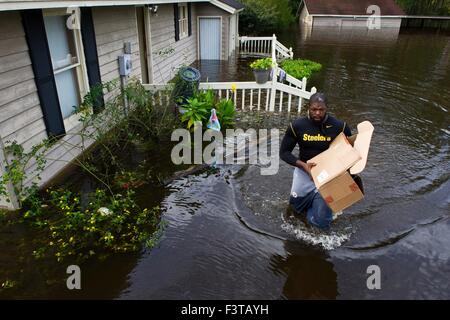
x,y
264,46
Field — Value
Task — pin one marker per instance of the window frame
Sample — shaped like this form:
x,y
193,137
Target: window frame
x,y
183,22
80,66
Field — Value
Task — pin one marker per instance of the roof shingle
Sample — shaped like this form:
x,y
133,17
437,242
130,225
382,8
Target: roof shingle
x,y
233,3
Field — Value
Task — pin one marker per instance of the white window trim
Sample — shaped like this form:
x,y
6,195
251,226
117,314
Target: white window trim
x,y
81,69
183,23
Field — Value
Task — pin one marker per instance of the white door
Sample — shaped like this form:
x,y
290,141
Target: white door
x,y
210,38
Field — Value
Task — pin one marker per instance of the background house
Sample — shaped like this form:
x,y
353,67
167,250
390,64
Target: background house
x,y
348,13
46,68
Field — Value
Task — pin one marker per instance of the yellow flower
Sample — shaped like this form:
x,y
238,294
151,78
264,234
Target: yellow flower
x,y
233,87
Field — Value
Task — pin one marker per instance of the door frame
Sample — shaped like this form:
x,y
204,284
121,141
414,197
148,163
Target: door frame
x,y
231,41
198,35
147,39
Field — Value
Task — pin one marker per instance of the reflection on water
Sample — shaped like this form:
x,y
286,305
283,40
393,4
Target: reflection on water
x,y
309,274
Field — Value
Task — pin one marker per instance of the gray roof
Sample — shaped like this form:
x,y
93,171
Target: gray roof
x,y
233,3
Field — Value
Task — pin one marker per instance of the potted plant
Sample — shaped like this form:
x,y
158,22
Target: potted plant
x,y
261,69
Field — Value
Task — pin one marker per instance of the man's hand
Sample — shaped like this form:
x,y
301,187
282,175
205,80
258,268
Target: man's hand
x,y
306,166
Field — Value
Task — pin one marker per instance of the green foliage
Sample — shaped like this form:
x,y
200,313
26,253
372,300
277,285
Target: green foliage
x,y
226,113
104,225
262,64
195,111
425,7
198,108
8,284
110,221
300,68
263,16
116,130
294,7
17,160
208,97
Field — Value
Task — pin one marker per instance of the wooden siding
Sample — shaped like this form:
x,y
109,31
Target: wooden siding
x,y
114,26
169,55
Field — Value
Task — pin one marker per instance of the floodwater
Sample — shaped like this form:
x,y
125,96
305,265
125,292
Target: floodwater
x,y
230,235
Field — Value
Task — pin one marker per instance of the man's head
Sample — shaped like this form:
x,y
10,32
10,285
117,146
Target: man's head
x,y
317,107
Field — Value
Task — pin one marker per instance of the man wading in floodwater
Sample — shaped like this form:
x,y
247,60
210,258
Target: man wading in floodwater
x,y
313,134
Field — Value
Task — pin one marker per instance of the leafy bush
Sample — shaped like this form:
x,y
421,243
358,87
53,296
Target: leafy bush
x,y
198,108
262,64
226,113
300,68
104,225
425,7
208,97
111,220
195,110
264,16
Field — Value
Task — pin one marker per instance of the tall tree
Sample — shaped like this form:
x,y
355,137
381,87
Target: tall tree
x,y
428,7
263,16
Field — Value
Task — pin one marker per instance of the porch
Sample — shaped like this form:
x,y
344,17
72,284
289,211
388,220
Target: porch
x,y
231,79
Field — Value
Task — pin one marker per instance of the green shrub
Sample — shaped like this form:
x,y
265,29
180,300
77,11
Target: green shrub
x,y
264,16
226,113
198,108
300,68
195,110
262,64
71,227
106,224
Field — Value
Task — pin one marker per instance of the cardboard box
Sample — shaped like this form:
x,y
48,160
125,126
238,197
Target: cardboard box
x,y
345,156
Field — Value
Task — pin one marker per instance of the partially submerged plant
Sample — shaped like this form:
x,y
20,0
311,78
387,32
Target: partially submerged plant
x,y
103,225
300,68
110,219
198,108
195,111
226,112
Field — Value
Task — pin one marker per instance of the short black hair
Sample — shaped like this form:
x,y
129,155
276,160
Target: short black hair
x,y
318,97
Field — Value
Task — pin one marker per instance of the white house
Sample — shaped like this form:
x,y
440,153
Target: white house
x,y
46,67
349,13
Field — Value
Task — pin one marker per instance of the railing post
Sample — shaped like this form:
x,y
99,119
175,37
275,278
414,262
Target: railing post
x,y
274,48
291,53
304,83
274,75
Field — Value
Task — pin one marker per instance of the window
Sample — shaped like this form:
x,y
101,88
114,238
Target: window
x,y
183,20
66,52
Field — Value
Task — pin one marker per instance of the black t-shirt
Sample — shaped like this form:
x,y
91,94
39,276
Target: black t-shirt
x,y
312,138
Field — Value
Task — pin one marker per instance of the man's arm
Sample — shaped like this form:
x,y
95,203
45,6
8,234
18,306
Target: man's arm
x,y
287,145
347,130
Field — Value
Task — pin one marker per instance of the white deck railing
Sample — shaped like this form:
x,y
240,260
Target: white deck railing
x,y
280,95
272,96
264,46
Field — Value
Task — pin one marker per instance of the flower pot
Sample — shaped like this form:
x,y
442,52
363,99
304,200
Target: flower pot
x,y
261,76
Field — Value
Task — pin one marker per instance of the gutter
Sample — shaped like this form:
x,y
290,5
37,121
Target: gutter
x,y
9,5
